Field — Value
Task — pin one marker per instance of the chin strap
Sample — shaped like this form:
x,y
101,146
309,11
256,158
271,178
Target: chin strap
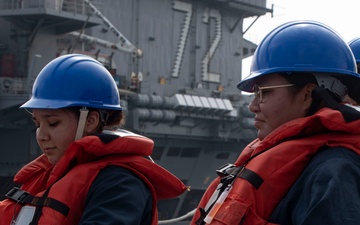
x,y
81,124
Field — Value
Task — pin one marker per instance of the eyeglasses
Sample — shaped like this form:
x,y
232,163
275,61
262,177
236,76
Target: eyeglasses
x,y
258,91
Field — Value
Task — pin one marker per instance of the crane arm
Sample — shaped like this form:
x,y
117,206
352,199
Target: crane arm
x,y
124,44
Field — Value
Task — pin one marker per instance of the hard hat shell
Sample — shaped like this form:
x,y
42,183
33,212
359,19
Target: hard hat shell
x,y
74,80
302,46
354,45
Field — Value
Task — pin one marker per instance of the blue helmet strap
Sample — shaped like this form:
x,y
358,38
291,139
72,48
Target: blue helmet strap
x,y
81,124
332,84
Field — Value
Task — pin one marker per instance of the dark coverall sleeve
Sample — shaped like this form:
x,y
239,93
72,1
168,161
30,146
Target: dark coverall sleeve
x,y
117,196
327,192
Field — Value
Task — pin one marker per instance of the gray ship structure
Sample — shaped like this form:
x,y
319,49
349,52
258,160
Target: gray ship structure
x,y
176,64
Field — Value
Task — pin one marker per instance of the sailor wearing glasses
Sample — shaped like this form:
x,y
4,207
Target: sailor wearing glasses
x,y
304,166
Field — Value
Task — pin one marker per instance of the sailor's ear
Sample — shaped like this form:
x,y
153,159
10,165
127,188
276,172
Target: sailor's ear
x,y
92,122
307,93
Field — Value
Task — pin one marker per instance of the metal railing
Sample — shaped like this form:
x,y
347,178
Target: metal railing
x,y
73,6
10,86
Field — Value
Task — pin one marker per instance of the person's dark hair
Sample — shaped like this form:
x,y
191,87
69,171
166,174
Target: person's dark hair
x,y
321,97
109,118
300,80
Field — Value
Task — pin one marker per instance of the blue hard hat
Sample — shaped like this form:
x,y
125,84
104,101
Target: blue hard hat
x,y
302,46
354,45
74,80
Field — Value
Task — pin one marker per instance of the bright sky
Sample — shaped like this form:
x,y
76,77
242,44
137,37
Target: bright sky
x,y
341,15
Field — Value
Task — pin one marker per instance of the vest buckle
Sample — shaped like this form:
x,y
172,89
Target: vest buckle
x,y
17,195
225,170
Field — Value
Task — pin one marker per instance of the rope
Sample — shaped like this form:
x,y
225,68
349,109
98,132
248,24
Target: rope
x,y
189,214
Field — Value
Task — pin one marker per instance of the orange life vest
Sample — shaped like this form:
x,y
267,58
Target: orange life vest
x,y
278,161
69,184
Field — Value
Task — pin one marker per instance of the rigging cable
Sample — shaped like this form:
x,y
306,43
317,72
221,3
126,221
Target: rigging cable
x,y
187,215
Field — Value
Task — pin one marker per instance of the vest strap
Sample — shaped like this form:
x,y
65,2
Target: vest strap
x,y
23,197
252,177
244,173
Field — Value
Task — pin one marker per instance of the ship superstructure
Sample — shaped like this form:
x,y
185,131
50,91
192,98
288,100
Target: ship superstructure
x,y
176,63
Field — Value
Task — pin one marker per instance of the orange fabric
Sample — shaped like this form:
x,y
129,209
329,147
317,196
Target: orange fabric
x,y
285,154
70,185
